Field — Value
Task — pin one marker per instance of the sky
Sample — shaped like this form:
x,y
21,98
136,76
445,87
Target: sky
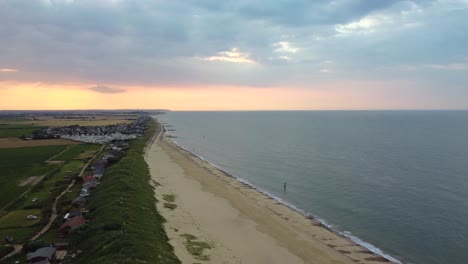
x,y
233,55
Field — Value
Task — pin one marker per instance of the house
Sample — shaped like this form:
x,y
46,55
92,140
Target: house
x,y
61,246
79,202
90,179
43,255
85,192
90,185
72,223
99,169
72,214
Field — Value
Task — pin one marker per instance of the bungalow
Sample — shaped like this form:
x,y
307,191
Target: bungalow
x,y
43,255
79,202
72,223
90,179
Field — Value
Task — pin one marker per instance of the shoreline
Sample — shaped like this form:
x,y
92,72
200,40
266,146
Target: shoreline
x,y
302,235
315,219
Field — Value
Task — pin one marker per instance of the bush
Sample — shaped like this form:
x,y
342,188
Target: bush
x,y
5,250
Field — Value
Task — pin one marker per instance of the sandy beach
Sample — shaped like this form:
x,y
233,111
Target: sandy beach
x,y
221,220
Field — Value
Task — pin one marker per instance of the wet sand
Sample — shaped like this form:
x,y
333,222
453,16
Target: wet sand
x,y
237,223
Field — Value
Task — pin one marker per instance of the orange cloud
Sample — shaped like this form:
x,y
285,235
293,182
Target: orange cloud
x,y
8,70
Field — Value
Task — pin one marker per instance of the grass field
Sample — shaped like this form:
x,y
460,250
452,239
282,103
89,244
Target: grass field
x,y
27,156
20,235
75,151
18,218
17,165
11,178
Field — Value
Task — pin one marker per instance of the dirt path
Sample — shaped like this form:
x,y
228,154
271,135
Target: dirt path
x,y
18,248
54,212
56,155
54,205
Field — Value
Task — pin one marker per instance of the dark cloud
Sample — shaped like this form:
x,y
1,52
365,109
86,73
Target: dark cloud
x,y
106,89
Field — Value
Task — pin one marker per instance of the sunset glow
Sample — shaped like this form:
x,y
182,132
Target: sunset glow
x,y
233,55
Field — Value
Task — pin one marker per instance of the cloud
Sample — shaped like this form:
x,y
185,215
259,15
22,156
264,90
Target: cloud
x,y
365,25
234,42
106,89
326,71
459,66
233,55
450,67
285,46
7,70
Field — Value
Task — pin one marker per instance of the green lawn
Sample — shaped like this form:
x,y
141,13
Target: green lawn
x,y
18,218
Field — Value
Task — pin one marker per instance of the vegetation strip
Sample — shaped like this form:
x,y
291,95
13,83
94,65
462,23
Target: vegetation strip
x,y
124,224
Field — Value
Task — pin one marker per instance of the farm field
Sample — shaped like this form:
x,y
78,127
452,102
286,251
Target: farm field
x,y
14,130
99,120
26,156
6,143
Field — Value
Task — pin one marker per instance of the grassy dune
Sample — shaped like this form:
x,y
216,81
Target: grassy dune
x,y
125,226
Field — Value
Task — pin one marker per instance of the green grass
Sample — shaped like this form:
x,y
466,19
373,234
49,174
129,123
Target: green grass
x,y
75,150
125,226
21,235
196,248
18,218
170,206
43,198
18,164
15,157
11,177
16,132
170,198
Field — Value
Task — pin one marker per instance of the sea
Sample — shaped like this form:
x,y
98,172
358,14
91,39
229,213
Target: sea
x,y
393,181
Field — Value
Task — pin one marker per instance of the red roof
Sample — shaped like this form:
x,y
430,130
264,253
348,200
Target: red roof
x,y
73,222
89,178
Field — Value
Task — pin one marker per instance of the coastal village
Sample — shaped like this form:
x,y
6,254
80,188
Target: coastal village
x,y
70,215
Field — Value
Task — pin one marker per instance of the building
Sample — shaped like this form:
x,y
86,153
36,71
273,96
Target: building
x,y
90,179
72,223
43,255
79,202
